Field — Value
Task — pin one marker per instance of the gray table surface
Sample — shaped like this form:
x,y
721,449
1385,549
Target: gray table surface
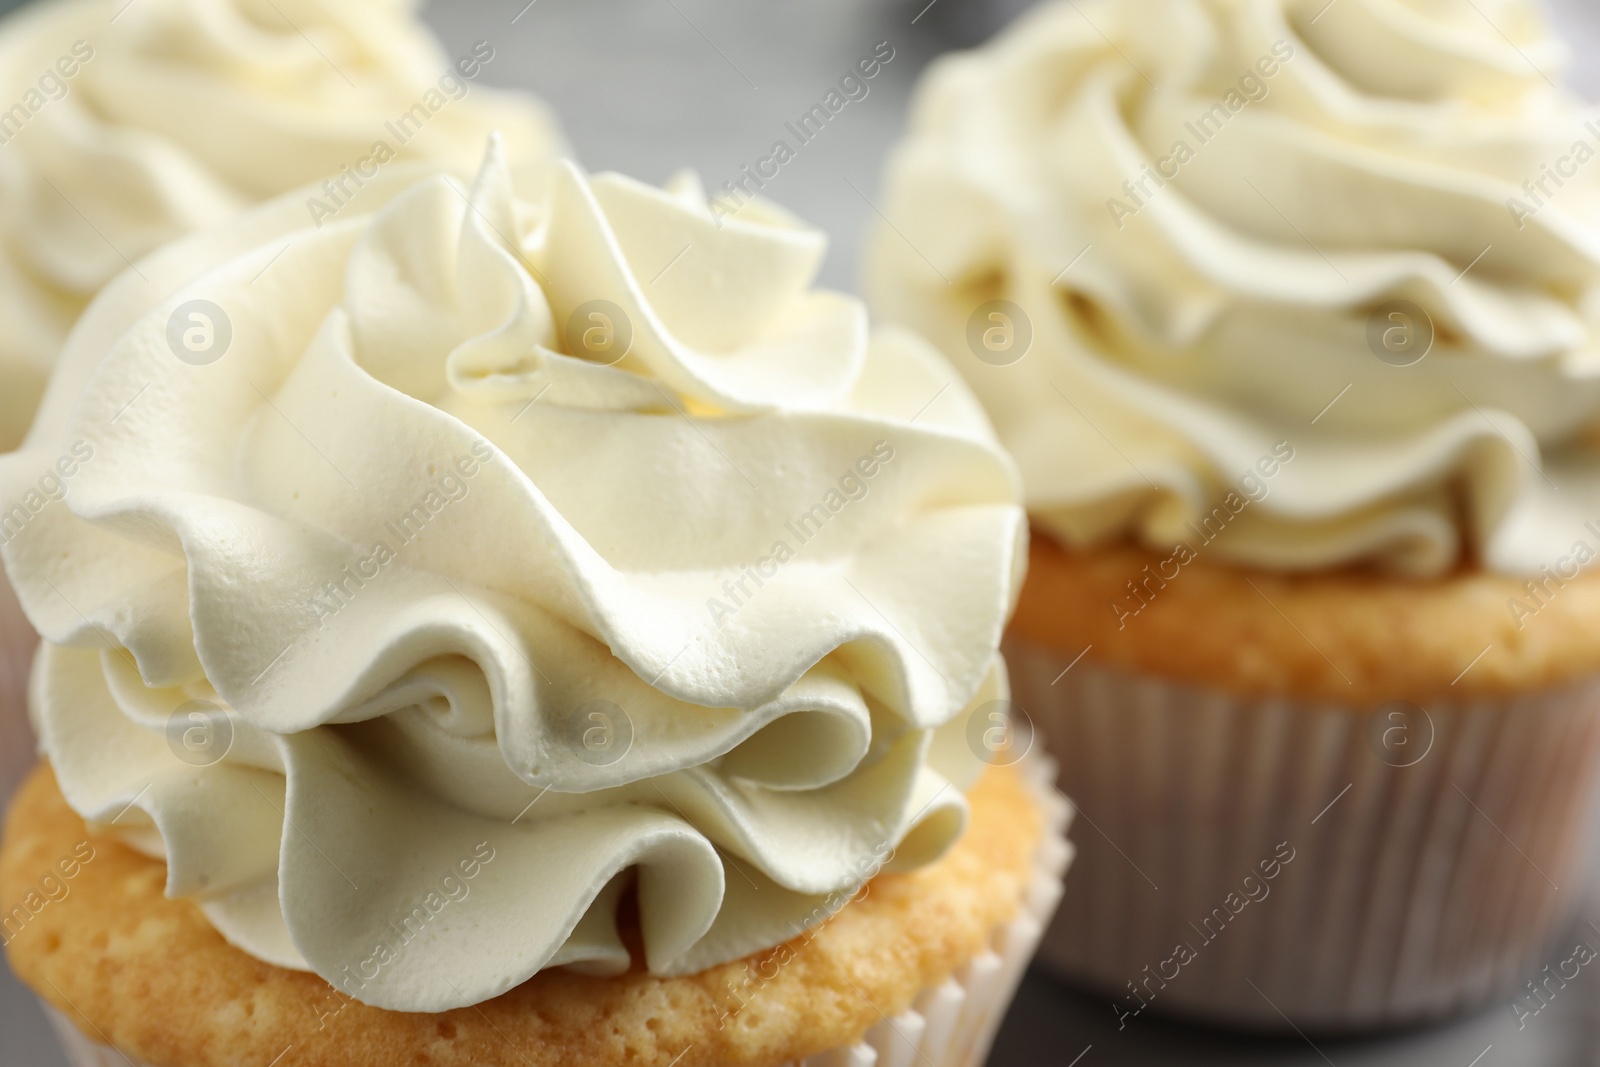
x,y
649,86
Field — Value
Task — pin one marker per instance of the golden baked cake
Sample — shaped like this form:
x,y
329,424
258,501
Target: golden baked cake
x,y
150,976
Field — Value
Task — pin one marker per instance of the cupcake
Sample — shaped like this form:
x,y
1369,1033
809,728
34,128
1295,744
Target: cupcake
x,y
1287,312
124,126
525,632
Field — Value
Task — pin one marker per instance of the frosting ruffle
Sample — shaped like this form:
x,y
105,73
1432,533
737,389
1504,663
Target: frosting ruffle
x,y
1210,212
127,125
429,643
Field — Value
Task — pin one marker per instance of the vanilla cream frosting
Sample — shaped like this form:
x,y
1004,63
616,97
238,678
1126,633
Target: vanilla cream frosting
x,y
1308,284
125,125
420,623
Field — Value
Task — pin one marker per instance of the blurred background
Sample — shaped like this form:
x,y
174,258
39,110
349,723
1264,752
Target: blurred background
x,y
648,87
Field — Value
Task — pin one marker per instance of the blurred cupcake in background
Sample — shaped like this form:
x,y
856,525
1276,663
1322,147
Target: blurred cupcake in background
x,y
494,640
1287,311
125,125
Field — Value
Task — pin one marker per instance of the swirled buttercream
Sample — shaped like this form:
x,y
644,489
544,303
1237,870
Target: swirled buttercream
x,y
425,623
126,125
1365,235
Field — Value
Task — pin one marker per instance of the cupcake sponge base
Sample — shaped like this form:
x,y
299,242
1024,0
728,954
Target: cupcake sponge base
x,y
1353,637
150,977
1328,802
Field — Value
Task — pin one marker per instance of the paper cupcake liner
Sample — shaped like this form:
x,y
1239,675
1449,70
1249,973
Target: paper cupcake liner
x,y
1409,893
18,749
952,1024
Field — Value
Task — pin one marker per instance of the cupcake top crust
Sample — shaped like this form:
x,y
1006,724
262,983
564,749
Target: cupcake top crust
x,y
1321,276
152,979
125,125
441,585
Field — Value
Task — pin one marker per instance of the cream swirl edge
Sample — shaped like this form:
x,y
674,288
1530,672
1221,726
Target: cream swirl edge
x,y
128,147
778,759
1233,344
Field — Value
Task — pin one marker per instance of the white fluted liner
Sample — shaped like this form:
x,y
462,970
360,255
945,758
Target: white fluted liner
x,y
18,749
949,1025
82,1052
1414,892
